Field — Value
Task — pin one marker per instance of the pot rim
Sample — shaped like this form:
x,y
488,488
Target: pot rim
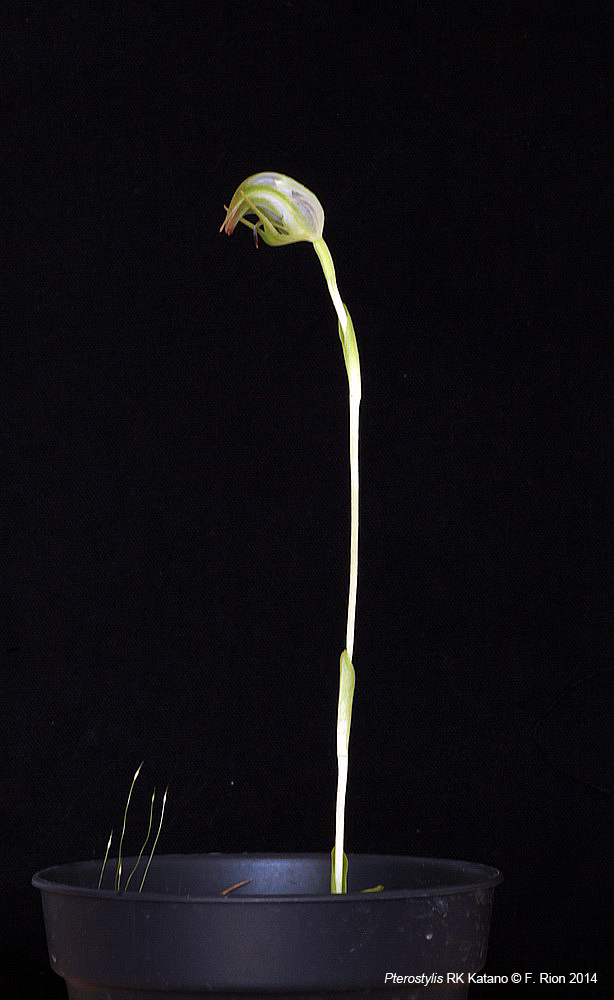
x,y
486,877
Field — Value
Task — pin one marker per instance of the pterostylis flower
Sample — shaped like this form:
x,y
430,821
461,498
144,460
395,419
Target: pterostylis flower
x,y
287,212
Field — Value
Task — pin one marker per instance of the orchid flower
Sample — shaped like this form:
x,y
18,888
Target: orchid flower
x,y
287,212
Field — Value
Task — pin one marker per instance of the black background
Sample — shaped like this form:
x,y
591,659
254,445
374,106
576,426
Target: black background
x,y
174,454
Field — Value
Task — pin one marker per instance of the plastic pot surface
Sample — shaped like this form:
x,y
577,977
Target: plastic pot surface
x,y
282,933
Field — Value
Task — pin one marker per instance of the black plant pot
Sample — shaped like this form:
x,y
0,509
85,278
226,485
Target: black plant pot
x,y
283,933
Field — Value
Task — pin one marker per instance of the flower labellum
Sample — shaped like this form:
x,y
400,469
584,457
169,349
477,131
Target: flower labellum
x,y
287,211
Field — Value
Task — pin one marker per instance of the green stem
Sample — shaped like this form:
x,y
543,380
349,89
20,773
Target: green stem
x,y
118,872
352,364
354,412
346,685
138,860
155,843
106,855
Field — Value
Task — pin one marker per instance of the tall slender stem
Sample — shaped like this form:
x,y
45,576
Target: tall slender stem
x,y
346,683
354,414
352,363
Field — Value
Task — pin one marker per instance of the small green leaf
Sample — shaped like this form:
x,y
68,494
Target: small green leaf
x,y
374,888
350,352
332,872
347,679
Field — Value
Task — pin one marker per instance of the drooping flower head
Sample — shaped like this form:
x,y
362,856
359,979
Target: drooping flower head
x,y
287,211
